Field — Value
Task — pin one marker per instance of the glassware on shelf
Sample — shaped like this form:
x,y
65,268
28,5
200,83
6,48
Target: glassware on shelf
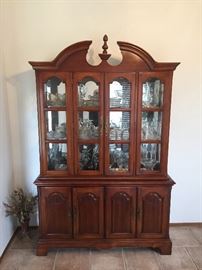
x,y
88,125
151,125
152,93
89,156
150,156
55,92
120,93
119,125
88,93
57,156
56,125
119,156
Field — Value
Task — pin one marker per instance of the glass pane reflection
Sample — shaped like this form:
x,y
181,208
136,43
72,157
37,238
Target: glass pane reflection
x,y
88,125
150,156
55,92
120,93
119,156
119,125
88,92
57,156
151,125
56,124
152,93
89,156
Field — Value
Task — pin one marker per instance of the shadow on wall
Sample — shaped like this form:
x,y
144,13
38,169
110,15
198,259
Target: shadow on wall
x,y
24,129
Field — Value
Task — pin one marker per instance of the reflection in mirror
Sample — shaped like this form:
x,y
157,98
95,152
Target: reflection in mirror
x,y
119,125
120,93
150,156
57,156
55,92
89,156
151,125
152,93
119,155
88,125
88,93
56,124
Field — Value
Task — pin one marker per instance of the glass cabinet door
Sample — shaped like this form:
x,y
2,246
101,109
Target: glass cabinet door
x,y
118,123
151,107
56,116
89,121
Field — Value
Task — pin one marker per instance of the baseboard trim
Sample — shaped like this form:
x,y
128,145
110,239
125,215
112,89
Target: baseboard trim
x,y
186,224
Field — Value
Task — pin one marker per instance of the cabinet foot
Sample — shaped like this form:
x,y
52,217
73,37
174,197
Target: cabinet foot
x,y
165,249
41,251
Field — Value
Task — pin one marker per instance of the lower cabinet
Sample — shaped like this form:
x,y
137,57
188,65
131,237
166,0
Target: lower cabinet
x,y
120,212
88,212
153,212
105,216
56,212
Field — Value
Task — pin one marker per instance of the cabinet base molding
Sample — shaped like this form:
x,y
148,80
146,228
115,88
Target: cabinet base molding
x,y
163,246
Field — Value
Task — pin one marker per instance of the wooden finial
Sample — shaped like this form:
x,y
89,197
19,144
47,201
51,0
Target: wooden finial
x,y
104,55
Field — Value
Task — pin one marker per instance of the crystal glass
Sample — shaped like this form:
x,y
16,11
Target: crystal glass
x,y
57,156
55,94
152,93
120,93
119,156
56,124
88,93
151,125
89,156
88,125
119,125
150,156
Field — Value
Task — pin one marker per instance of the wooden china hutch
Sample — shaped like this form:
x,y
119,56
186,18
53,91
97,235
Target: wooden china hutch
x,y
103,133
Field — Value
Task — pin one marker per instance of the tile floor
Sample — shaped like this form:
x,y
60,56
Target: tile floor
x,y
186,255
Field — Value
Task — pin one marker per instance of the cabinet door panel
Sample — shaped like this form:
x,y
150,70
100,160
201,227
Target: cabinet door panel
x,y
121,212
56,212
119,129
153,210
88,212
88,123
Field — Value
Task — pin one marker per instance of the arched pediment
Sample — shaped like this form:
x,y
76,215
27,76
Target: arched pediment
x,y
73,58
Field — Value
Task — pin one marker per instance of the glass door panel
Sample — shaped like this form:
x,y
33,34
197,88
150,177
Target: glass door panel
x,y
56,114
119,125
88,93
57,156
150,156
120,93
151,125
56,125
89,157
88,125
88,99
119,157
119,114
152,93
55,94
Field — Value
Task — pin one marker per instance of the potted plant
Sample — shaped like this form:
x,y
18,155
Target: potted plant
x,y
21,205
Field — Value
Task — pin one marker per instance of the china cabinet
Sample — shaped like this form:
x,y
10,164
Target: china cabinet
x,y
103,133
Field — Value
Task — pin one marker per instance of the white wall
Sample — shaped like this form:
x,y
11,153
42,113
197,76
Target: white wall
x,y
168,30
6,166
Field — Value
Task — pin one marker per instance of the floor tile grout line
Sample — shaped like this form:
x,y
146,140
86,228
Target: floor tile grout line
x,y
124,260
189,255
90,259
55,260
194,236
159,263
